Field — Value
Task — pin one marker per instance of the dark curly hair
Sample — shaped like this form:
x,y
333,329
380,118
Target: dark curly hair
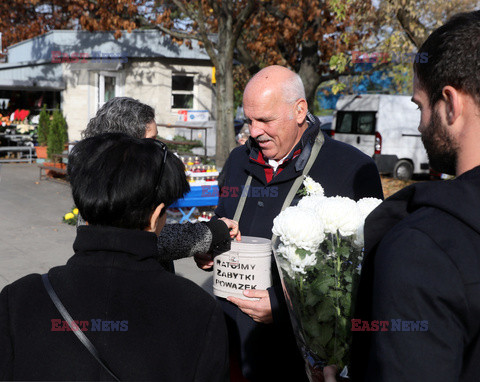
x,y
453,52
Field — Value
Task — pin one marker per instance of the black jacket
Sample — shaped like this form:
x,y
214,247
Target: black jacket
x,y
422,266
341,170
174,330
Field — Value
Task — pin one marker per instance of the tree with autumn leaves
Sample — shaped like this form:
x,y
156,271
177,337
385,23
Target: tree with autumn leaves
x,y
217,25
24,19
314,38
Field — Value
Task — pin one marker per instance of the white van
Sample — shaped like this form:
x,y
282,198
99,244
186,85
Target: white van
x,y
384,127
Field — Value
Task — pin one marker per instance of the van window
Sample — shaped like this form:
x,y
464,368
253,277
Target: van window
x,y
345,120
366,123
355,122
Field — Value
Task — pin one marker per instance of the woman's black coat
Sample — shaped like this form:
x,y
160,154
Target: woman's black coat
x,y
153,325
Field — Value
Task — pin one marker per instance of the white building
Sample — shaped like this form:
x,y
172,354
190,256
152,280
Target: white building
x,y
79,71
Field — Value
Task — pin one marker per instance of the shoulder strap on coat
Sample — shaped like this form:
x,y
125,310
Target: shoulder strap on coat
x,y
75,329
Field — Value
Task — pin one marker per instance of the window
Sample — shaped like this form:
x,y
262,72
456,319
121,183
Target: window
x,y
345,120
109,86
366,123
182,91
109,92
355,122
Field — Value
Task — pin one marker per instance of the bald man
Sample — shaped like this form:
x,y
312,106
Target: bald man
x,y
283,133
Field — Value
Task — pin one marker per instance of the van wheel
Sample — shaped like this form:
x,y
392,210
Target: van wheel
x,y
403,170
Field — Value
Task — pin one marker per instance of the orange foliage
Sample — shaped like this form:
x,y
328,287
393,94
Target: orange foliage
x,y
23,19
277,31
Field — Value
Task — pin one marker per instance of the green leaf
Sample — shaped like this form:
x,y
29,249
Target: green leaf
x,y
326,333
343,251
334,294
322,284
325,310
312,299
302,253
311,327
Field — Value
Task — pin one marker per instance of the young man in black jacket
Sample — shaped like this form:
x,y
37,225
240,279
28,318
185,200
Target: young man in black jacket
x,y
421,273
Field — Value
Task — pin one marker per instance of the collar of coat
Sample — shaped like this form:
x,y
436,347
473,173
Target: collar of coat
x,y
102,246
293,164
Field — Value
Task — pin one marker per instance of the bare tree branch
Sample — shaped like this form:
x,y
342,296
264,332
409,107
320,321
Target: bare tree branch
x,y
242,18
406,21
244,56
184,9
180,35
209,47
214,5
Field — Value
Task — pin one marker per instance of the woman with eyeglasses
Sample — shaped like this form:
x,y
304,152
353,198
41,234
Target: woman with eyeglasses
x,y
112,312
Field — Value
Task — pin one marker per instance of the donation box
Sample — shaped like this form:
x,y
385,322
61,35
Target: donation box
x,y
246,266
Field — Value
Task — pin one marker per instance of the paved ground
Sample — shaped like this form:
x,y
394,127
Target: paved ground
x,y
32,235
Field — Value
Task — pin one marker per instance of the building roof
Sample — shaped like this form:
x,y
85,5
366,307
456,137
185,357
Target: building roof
x,y
30,61
138,43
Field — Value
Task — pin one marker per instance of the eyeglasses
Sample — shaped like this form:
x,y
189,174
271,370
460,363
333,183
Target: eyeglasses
x,y
165,150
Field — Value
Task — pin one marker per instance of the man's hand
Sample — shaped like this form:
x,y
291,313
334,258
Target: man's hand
x,y
260,311
329,373
233,227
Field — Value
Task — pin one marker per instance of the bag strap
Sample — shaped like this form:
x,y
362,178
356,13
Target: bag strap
x,y
66,316
298,182
243,198
295,186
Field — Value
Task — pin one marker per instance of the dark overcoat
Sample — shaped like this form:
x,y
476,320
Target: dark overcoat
x,y
269,352
147,323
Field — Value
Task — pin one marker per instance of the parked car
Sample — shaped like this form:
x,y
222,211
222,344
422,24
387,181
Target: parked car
x,y
384,127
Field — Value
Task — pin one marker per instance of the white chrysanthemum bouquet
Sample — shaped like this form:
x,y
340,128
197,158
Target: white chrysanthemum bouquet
x,y
319,254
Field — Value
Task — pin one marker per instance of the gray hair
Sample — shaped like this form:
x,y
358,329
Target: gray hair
x,y
293,89
121,115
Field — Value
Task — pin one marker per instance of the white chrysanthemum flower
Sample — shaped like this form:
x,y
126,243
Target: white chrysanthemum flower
x,y
295,261
309,202
300,227
367,205
339,214
312,187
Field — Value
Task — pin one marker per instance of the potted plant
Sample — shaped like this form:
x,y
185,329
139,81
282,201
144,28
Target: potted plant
x,y
57,137
42,131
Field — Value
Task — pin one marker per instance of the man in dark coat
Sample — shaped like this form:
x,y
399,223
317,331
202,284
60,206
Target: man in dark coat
x,y
421,273
282,136
145,322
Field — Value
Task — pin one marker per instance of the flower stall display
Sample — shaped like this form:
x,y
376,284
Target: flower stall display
x,y
319,251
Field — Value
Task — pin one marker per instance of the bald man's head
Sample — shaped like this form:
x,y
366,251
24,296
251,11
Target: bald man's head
x,y
275,107
278,78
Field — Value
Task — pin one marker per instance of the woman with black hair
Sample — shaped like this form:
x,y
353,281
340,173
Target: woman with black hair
x,y
177,241
133,319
